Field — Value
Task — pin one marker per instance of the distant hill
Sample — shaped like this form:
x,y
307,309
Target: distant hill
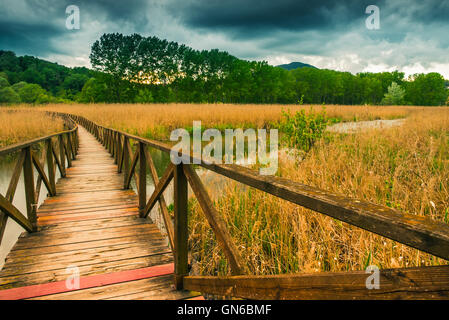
x,y
295,65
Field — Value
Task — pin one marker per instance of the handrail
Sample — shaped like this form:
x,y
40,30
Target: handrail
x,y
67,146
412,230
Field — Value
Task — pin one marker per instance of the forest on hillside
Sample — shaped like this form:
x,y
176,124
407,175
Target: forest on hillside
x,y
137,69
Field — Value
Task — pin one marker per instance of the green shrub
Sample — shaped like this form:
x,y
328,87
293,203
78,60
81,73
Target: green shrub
x,y
8,95
302,129
30,93
3,83
17,86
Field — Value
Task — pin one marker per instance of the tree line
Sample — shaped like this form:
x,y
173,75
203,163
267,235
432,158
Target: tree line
x,y
31,80
137,69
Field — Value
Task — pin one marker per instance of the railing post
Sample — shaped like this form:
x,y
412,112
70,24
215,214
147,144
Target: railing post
x,y
142,179
67,150
119,152
114,147
180,226
70,146
51,166
126,163
28,178
62,154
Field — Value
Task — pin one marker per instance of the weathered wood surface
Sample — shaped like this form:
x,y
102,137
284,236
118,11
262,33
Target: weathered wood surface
x,y
93,224
406,283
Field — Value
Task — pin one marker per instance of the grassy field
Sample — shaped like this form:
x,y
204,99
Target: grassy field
x,y
156,121
405,167
22,124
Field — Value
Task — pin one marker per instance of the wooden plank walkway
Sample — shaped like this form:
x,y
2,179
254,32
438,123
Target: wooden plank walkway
x,y
92,224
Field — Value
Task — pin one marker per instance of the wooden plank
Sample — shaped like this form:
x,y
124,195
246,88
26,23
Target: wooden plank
x,y
53,240
53,219
61,274
22,265
406,283
216,222
153,238
100,223
86,282
88,204
120,289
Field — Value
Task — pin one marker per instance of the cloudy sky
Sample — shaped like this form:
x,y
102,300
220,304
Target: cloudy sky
x,y
413,35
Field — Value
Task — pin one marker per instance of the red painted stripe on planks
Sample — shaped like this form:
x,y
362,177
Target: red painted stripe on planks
x,y
86,282
196,298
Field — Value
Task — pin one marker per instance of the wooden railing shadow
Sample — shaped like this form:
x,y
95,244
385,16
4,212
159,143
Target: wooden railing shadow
x,y
59,149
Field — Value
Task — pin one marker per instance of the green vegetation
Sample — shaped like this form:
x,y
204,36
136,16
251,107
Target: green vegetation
x,y
137,69
38,81
394,96
302,129
147,69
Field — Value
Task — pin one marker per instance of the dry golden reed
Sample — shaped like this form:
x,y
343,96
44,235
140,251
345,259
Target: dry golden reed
x,y
19,125
157,120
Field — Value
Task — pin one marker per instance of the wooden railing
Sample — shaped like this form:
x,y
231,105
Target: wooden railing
x,y
58,149
412,230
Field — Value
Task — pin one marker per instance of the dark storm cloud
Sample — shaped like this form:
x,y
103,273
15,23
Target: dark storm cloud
x,y
330,34
256,18
31,38
37,27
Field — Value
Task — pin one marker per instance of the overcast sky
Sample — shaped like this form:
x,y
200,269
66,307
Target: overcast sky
x,y
413,35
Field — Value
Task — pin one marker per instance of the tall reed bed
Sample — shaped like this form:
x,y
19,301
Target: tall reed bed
x,y
19,125
158,120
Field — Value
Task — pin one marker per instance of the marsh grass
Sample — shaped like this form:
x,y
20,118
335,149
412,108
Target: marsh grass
x,y
156,121
19,125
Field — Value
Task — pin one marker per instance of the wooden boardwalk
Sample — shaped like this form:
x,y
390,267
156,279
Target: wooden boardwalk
x,y
92,226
